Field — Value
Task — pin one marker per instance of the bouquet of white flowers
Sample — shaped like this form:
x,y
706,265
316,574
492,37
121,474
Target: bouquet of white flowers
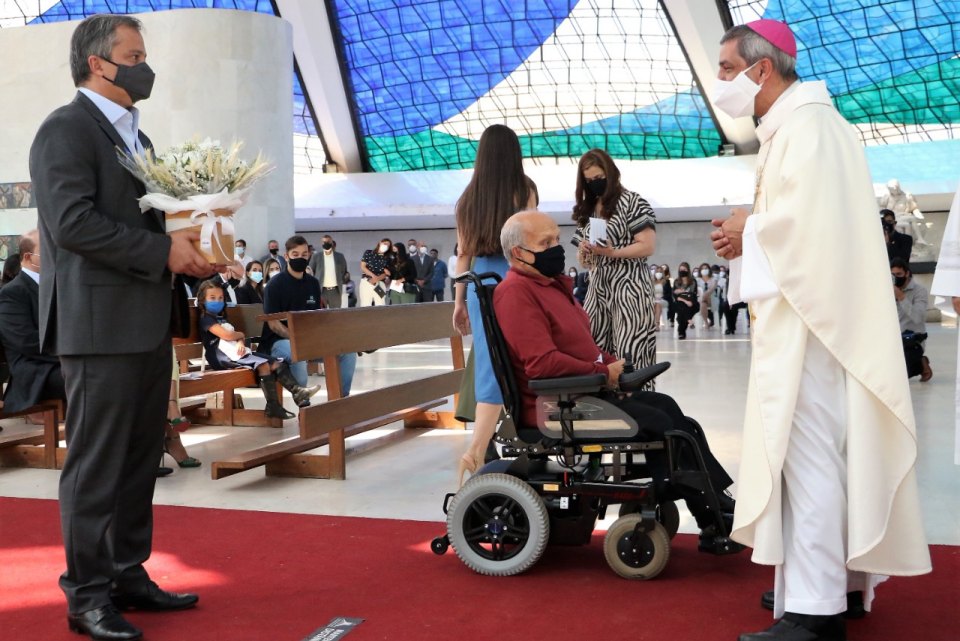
x,y
199,185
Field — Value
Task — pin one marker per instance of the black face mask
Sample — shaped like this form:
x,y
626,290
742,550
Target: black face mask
x,y
274,251
327,246
597,187
683,272
136,80
900,281
549,262
298,265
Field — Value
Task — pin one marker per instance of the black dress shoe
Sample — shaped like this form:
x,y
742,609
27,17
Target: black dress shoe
x,y
802,627
153,599
104,624
854,609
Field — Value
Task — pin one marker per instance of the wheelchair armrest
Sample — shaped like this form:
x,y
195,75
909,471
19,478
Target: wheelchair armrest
x,y
587,384
635,380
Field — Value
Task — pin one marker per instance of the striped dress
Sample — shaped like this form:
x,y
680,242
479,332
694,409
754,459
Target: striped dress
x,y
620,298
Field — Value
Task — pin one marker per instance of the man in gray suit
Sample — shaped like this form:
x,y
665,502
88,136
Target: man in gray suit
x,y
425,265
105,310
328,266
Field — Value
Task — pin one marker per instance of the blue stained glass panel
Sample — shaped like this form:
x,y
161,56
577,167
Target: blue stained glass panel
x,y
891,66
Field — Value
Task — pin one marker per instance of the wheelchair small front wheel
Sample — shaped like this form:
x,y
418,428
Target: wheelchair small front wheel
x,y
633,553
498,525
439,545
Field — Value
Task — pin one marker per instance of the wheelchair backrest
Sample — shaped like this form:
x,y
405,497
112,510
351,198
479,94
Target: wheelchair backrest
x,y
499,354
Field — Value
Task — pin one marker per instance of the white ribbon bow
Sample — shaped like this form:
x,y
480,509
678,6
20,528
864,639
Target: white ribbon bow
x,y
207,220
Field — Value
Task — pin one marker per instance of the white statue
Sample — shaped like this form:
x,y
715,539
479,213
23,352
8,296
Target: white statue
x,y
910,219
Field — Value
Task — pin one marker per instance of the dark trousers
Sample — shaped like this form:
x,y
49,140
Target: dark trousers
x,y
331,298
913,355
437,295
730,314
116,409
684,314
656,413
426,295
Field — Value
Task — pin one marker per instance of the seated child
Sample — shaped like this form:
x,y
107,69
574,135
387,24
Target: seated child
x,y
224,349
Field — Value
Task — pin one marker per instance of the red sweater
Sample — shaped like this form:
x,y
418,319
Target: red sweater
x,y
547,333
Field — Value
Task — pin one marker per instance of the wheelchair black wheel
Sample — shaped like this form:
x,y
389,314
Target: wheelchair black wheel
x,y
498,525
667,514
634,554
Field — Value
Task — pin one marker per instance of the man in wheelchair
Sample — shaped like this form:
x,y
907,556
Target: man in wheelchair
x,y
547,335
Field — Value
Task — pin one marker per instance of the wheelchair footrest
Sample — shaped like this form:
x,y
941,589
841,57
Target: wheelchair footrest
x,y
719,545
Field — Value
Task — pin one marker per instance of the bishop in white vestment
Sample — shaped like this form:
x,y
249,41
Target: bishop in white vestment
x,y
827,491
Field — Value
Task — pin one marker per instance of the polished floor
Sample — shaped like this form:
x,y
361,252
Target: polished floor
x,y
407,477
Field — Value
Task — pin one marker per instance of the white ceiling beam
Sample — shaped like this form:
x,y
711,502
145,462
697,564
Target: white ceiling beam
x,y
316,55
699,28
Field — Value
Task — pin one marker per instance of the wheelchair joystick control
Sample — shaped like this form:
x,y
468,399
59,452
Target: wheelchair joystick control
x,y
628,365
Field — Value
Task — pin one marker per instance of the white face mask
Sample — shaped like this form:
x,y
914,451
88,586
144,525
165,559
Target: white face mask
x,y
412,249
735,97
423,250
704,272
384,247
659,275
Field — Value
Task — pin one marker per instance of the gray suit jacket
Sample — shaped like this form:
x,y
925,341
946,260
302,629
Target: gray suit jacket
x,y
424,265
339,266
105,287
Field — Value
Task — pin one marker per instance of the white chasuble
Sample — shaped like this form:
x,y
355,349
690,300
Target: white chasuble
x,y
816,213
946,285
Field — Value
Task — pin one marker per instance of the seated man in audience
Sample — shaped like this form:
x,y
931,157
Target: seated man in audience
x,y
548,336
293,290
912,298
229,281
34,376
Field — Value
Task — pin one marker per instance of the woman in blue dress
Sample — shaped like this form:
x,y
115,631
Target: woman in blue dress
x,y
497,190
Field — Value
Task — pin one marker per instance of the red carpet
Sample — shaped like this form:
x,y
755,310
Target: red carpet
x,y
278,577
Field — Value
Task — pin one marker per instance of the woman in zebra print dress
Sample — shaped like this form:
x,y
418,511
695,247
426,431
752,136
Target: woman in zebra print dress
x,y
620,299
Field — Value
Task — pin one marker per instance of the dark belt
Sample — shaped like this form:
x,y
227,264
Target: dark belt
x,y
327,289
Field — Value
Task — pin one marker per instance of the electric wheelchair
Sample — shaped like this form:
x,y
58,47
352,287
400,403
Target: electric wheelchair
x,y
557,478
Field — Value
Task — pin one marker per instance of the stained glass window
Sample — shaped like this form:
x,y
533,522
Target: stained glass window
x,y
891,66
428,76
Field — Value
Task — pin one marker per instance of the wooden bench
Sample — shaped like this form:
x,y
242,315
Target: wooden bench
x,y
211,381
37,446
323,335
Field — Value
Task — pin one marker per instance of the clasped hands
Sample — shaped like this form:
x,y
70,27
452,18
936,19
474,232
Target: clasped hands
x,y
599,249
727,239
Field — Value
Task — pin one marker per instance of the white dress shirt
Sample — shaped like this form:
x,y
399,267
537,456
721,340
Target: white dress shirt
x,y
125,121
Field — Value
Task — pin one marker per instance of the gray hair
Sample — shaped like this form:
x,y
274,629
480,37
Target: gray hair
x,y
95,36
511,235
753,47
